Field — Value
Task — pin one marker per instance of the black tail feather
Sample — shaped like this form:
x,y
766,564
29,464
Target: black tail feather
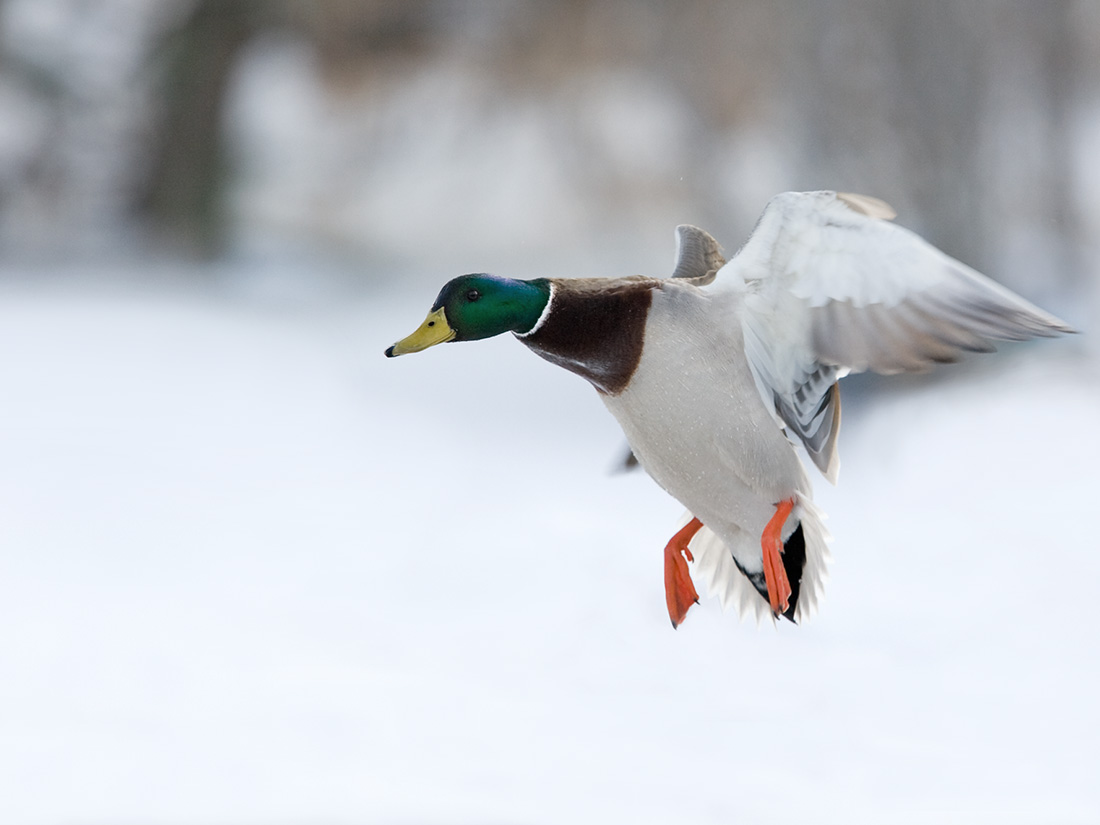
x,y
794,562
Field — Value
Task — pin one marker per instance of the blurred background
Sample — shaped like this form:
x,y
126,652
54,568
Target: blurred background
x,y
252,572
524,130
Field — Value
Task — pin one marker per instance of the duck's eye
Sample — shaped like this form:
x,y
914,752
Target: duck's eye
x,y
473,295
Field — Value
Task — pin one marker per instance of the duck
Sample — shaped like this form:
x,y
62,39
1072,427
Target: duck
x,y
718,373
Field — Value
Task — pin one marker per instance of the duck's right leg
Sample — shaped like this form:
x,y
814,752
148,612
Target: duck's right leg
x,y
680,593
771,544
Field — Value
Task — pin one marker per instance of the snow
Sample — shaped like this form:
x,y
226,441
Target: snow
x,y
251,570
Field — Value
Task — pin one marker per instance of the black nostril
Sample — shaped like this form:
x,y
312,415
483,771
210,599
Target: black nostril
x,y
431,323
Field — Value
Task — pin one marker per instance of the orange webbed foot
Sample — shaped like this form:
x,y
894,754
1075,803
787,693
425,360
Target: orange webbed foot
x,y
775,575
680,593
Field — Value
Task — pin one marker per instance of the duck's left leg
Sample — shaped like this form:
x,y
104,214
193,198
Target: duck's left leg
x,y
771,542
680,593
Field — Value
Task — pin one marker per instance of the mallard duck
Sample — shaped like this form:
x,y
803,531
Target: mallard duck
x,y
715,372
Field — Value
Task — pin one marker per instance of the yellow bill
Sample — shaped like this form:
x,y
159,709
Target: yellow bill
x,y
434,330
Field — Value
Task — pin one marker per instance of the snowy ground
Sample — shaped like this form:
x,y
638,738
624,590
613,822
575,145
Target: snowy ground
x,y
251,571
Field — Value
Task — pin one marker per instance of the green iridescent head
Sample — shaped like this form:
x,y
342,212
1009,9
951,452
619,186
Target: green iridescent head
x,y
472,307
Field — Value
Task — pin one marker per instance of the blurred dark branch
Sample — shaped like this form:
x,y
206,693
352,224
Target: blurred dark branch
x,y
181,195
181,191
1061,68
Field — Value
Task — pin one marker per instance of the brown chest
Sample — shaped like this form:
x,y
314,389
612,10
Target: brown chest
x,y
596,329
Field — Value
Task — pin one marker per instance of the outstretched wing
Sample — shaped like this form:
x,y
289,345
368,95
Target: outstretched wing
x,y
831,287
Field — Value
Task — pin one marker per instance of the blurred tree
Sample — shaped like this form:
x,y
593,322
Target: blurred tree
x,y
349,36
194,61
967,116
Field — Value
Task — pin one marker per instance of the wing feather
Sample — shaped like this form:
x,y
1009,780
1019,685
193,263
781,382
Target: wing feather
x,y
830,287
